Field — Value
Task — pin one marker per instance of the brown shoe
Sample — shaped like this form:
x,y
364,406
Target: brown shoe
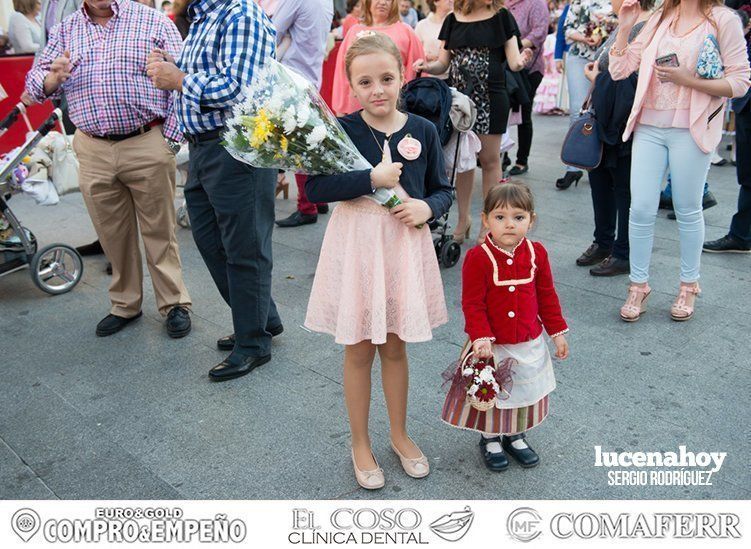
x,y
611,266
594,254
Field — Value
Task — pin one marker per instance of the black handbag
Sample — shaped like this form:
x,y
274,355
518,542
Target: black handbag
x,y
582,147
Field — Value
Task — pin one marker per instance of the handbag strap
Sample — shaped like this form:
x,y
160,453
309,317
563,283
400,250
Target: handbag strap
x,y
587,105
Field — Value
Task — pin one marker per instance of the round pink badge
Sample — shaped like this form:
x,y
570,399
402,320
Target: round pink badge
x,y
409,147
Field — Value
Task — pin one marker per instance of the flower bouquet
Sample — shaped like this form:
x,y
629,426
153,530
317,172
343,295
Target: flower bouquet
x,y
283,123
601,24
482,384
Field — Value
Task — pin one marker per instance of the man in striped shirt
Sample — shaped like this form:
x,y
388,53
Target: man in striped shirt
x,y
97,56
230,204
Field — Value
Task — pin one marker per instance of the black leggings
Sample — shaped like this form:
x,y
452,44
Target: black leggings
x,y
525,128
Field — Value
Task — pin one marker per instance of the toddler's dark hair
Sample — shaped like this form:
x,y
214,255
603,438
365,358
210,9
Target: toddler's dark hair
x,y
511,195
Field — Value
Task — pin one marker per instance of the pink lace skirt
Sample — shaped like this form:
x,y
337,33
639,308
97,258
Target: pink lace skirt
x,y
375,276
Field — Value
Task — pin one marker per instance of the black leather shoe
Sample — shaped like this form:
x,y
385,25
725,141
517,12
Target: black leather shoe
x,y
227,343
226,370
493,461
178,322
526,457
726,244
567,180
666,202
611,266
322,208
516,169
708,200
297,219
95,248
112,324
593,255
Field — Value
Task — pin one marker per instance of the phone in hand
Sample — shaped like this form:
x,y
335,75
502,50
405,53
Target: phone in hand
x,y
669,60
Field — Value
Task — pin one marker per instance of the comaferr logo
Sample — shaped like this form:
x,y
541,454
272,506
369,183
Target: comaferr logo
x,y
646,525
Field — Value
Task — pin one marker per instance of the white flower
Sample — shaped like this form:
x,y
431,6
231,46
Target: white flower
x,y
288,119
472,390
275,105
316,136
468,372
486,374
303,114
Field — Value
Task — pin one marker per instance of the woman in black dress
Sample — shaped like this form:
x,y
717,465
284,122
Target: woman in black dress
x,y
479,39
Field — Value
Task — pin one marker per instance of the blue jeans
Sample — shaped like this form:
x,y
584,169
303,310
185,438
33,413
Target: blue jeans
x,y
656,149
231,209
740,227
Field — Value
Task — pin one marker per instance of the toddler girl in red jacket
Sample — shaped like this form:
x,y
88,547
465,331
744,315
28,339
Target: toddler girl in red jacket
x,y
508,297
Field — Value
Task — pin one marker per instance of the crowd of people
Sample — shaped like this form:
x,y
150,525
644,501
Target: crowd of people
x,y
657,78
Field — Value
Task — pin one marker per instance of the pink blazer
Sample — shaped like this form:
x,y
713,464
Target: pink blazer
x,y
641,54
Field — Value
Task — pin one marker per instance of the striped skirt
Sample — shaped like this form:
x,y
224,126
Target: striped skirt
x,y
507,421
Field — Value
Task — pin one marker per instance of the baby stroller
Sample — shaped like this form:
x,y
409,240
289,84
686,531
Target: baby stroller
x,y
431,98
56,268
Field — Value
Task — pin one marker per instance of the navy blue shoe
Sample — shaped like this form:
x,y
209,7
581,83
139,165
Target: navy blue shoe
x,y
526,457
495,461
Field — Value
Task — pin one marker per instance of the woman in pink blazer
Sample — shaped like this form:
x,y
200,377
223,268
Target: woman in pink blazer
x,y
676,121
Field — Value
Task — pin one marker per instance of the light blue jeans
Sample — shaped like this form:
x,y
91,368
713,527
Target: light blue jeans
x,y
578,88
654,151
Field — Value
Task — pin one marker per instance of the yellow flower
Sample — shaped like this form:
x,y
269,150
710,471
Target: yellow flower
x,y
284,143
262,129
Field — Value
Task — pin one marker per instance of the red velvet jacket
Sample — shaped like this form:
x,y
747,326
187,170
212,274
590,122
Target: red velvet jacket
x,y
510,296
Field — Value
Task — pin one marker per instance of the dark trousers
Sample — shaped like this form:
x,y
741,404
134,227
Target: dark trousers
x,y
611,198
525,128
740,226
231,209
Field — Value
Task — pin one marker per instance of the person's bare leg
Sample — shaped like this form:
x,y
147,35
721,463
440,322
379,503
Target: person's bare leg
x,y
491,168
358,362
395,375
464,186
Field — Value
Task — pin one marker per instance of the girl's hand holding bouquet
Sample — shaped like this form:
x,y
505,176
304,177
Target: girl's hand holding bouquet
x,y
482,348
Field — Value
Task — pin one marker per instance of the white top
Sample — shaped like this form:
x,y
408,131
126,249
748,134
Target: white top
x,y
25,36
427,31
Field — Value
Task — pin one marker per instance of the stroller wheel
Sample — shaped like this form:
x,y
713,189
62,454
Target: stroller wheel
x,y
438,245
56,269
182,217
450,254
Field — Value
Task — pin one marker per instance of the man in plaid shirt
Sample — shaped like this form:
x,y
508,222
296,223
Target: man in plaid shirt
x,y
231,204
97,56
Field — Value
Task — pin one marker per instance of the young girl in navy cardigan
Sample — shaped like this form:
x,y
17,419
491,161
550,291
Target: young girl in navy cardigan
x,y
378,285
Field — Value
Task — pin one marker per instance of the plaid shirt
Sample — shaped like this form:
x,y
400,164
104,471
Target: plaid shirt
x,y
108,92
228,40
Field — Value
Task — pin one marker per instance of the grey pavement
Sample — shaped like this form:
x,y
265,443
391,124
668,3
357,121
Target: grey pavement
x,y
135,416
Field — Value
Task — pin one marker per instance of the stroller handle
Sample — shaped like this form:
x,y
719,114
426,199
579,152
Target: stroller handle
x,y
10,118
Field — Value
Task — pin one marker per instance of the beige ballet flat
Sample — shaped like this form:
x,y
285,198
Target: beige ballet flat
x,y
414,467
370,480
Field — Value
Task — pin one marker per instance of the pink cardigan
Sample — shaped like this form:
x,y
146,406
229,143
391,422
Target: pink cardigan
x,y
641,54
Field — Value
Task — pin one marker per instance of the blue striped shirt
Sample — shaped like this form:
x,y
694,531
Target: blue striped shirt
x,y
228,41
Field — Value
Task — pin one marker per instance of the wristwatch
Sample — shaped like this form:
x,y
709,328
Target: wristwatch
x,y
173,145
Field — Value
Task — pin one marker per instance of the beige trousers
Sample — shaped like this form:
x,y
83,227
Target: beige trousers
x,y
126,185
